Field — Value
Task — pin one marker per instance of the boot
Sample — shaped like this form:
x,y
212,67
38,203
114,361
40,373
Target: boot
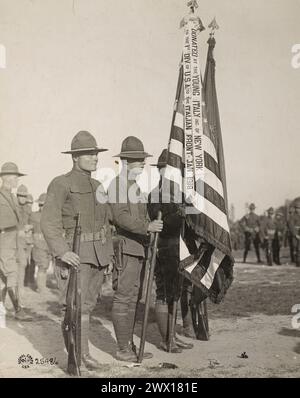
x,y
123,331
245,256
88,361
186,316
162,319
20,314
182,344
258,255
41,281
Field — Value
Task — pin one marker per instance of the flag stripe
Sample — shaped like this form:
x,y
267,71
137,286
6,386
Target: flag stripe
x,y
177,134
215,262
176,147
212,165
212,180
205,206
179,120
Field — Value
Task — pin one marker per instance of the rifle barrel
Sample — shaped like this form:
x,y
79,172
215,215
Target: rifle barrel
x,y
148,294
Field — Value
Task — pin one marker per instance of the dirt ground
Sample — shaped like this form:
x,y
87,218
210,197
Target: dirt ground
x,y
255,318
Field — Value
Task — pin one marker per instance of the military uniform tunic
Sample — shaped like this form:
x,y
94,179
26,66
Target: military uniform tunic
x,y
41,253
67,196
131,219
9,219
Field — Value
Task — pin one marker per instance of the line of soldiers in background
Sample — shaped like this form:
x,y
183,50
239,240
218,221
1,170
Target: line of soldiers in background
x,y
270,232
23,249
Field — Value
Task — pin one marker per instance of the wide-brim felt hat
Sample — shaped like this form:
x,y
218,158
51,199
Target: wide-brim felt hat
x,y
132,148
162,160
10,168
42,199
84,142
22,191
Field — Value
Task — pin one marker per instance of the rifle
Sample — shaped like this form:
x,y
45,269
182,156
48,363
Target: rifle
x,y
148,293
72,321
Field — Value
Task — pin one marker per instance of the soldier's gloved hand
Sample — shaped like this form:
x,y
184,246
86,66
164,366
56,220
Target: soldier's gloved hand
x,y
156,226
72,259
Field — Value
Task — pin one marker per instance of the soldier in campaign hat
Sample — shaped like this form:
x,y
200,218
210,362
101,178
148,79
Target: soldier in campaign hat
x,y
251,226
40,253
133,226
294,227
24,236
30,269
9,221
68,195
168,282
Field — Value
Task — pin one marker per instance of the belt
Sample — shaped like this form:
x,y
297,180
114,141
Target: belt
x,y
89,237
9,229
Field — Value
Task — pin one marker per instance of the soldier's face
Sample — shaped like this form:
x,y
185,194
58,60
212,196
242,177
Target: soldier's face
x,y
22,199
135,167
162,171
87,162
10,180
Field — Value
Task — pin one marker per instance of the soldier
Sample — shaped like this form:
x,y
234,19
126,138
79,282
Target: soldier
x,y
168,282
68,195
133,226
268,229
40,253
24,229
9,220
30,269
289,232
294,226
279,236
251,226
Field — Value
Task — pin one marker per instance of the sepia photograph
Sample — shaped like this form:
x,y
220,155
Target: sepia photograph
x,y
149,191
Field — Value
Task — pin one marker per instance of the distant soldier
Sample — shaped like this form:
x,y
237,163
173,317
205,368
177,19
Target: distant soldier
x,y
68,195
294,225
30,269
9,220
289,232
168,282
24,231
268,230
279,236
251,227
133,226
40,253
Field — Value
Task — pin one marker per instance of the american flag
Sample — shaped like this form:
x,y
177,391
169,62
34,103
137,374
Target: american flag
x,y
195,154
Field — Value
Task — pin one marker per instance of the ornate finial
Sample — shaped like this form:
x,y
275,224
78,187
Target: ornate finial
x,y
213,26
192,4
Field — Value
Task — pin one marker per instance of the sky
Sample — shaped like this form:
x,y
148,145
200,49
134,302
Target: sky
x,y
111,67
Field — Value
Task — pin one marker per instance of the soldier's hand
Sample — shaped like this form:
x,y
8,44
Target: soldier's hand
x,y
72,259
156,226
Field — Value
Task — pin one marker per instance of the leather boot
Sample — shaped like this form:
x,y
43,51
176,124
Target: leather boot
x,y
123,332
186,316
245,256
20,314
41,281
88,361
162,320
